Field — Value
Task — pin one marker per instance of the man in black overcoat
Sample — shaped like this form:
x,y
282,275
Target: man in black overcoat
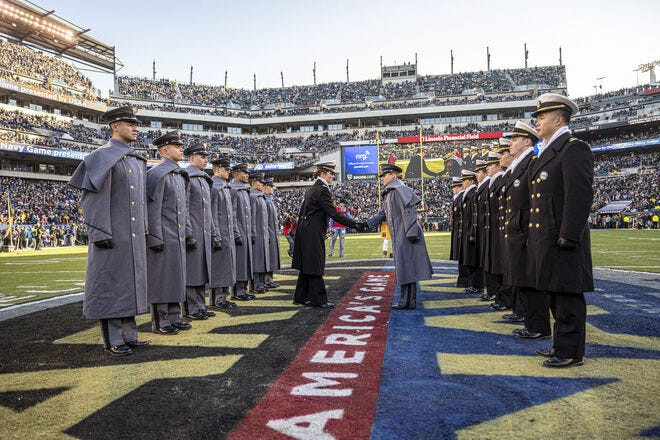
x,y
534,303
560,185
309,244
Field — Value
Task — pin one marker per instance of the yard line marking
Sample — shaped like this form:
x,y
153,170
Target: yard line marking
x,y
74,289
30,287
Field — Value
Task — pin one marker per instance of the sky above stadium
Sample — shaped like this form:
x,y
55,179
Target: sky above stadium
x,y
600,39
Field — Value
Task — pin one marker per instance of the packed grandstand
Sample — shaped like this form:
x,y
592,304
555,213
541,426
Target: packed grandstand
x,y
49,119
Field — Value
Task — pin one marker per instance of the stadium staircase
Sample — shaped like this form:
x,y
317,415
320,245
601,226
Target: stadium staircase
x,y
178,91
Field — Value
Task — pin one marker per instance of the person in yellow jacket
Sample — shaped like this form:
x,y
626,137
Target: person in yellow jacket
x,y
385,235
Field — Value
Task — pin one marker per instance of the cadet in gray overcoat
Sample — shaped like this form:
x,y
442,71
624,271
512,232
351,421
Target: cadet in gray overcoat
x,y
261,246
112,180
166,258
240,199
223,261
201,234
274,234
411,259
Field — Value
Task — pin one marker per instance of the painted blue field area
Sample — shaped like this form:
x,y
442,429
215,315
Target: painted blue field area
x,y
452,369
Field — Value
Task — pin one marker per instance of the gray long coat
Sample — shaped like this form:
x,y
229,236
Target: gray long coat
x,y
240,199
223,262
411,260
112,179
168,214
261,248
274,234
201,227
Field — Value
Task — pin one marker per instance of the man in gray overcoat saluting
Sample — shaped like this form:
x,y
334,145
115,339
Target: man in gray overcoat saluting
x,y
166,258
260,248
223,261
240,199
411,259
112,180
201,234
273,232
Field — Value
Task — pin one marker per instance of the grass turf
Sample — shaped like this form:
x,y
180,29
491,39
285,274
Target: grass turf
x,y
34,275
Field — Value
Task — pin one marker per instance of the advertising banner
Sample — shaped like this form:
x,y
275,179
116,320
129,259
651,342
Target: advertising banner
x,y
360,162
42,151
451,137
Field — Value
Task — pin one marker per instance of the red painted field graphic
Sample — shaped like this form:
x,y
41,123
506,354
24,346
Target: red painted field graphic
x,y
329,390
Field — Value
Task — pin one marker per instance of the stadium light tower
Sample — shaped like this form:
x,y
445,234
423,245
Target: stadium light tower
x,y
451,57
225,78
560,62
488,58
649,67
191,72
314,72
601,83
282,77
526,55
154,70
347,70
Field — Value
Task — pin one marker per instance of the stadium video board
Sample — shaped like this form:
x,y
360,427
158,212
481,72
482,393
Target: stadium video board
x,y
360,162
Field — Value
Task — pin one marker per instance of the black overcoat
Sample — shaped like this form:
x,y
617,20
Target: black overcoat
x,y
516,226
309,243
561,193
481,203
468,253
493,262
456,226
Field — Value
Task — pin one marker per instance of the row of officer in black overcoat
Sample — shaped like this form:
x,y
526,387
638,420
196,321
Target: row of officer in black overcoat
x,y
525,225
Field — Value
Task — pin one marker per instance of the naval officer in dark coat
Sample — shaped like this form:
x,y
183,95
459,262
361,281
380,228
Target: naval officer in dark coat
x,y
493,250
202,237
309,243
223,261
456,230
529,301
560,185
168,214
112,179
411,259
467,252
481,212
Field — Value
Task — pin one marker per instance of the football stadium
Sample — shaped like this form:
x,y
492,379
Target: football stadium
x,y
524,309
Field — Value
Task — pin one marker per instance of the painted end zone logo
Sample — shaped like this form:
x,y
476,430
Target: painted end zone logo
x,y
329,391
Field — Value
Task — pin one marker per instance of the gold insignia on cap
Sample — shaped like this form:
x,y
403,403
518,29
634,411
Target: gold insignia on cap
x,y
538,105
134,110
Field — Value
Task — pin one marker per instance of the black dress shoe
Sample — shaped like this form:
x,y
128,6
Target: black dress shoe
x,y
182,325
207,313
240,297
498,307
259,291
517,331
326,306
558,362
251,296
169,330
137,344
512,317
399,306
272,285
198,316
119,350
304,303
487,297
526,334
226,305
547,352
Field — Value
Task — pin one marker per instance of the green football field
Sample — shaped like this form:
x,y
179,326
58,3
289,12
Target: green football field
x,y
33,275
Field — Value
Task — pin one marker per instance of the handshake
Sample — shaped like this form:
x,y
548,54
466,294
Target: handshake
x,y
361,226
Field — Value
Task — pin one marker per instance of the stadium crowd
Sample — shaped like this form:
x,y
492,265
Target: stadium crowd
x,y
49,210
23,65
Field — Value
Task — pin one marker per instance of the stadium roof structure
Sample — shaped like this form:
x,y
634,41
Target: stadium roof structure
x,y
31,25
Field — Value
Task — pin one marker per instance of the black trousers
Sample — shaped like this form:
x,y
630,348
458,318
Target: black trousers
x,y
570,312
310,288
505,296
519,304
493,283
463,275
537,314
475,277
